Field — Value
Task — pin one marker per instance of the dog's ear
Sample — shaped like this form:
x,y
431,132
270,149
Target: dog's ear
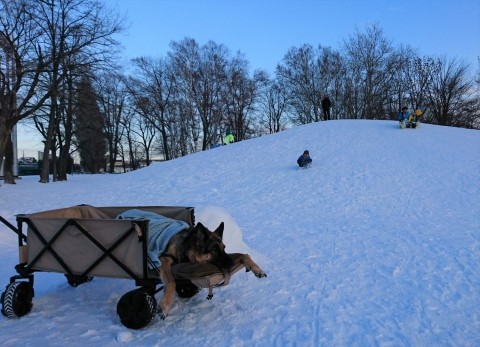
x,y
200,232
219,230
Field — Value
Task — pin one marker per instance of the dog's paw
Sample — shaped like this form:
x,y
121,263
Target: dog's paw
x,y
209,296
161,315
257,272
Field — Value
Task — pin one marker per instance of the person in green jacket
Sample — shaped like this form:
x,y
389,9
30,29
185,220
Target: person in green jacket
x,y
229,138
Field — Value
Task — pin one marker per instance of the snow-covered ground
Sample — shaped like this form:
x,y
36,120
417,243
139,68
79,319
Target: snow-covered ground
x,y
378,244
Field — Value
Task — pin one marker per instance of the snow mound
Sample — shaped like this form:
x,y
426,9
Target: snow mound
x,y
212,216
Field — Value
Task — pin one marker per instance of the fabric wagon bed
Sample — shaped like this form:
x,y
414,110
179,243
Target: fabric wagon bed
x,y
83,242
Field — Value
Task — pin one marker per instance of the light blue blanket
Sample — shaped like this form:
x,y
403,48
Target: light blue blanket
x,y
161,230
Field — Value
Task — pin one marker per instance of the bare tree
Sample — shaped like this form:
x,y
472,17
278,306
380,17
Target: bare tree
x,y
22,63
209,89
112,99
406,86
273,105
299,73
130,140
185,63
75,34
418,78
66,112
146,134
476,122
451,95
371,62
153,92
241,92
332,71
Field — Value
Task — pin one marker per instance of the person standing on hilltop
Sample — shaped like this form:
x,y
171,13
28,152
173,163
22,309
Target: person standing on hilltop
x,y
326,104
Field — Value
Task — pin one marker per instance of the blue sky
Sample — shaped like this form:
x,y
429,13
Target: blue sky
x,y
264,30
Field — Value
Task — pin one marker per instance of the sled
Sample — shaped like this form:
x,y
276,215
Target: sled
x,y
83,242
306,166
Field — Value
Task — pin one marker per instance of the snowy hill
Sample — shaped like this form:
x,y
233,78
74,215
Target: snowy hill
x,y
378,244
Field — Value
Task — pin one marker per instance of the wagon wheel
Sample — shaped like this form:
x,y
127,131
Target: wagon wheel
x,y
186,289
76,280
136,309
17,299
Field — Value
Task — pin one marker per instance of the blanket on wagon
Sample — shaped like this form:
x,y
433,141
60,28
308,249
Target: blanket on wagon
x,y
161,230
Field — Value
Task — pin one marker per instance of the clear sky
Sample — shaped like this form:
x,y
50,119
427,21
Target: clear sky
x,y
264,30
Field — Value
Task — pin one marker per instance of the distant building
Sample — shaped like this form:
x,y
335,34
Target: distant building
x,y
26,160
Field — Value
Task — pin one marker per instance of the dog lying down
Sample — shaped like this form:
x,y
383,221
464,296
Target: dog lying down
x,y
174,246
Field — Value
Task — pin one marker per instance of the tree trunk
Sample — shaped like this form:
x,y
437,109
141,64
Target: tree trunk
x,y
4,136
6,146
44,173
8,162
54,162
64,160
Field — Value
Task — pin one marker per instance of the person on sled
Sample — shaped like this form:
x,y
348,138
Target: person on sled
x,y
304,160
403,117
414,118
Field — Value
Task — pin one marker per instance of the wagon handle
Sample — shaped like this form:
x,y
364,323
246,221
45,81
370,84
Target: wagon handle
x,y
10,225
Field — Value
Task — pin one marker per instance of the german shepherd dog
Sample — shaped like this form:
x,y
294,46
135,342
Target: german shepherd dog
x,y
197,245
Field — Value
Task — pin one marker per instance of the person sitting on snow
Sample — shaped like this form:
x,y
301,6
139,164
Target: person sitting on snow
x,y
304,159
229,138
415,115
403,116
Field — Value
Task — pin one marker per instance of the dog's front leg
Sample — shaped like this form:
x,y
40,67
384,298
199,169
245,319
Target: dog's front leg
x,y
248,262
169,282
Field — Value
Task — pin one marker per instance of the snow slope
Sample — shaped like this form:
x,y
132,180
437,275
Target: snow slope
x,y
378,244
